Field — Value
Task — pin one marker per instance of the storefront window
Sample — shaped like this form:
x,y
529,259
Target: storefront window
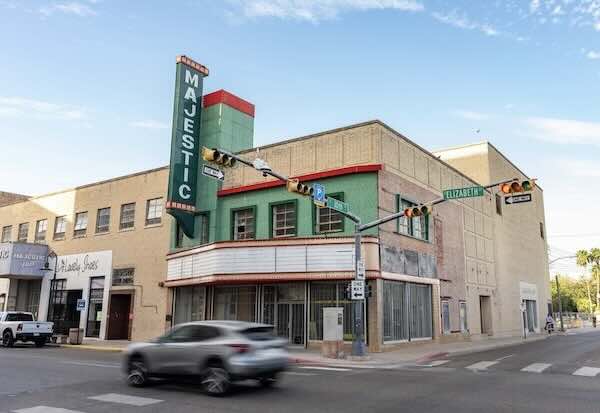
x,y
445,317
323,295
189,304
95,313
531,309
463,317
407,311
235,303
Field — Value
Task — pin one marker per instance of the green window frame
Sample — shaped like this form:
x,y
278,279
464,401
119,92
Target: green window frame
x,y
416,227
204,218
294,219
234,233
317,213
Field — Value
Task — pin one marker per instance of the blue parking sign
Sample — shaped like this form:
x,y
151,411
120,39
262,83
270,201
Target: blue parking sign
x,y
319,197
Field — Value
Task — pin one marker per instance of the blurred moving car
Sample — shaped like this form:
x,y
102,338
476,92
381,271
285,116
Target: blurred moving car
x,y
216,352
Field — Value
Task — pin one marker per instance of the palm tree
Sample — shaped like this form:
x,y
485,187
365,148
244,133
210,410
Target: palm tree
x,y
591,258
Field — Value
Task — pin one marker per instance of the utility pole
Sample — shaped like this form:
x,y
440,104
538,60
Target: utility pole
x,y
562,327
560,314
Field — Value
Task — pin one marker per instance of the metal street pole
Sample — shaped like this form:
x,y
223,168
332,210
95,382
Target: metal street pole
x,y
562,327
358,341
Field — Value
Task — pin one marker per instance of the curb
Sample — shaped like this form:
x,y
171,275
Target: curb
x,y
94,348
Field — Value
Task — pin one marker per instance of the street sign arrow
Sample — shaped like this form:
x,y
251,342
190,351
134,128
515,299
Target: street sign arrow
x,y
517,199
213,172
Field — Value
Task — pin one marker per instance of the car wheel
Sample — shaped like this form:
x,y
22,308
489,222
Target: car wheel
x,y
137,375
40,343
268,381
216,381
7,339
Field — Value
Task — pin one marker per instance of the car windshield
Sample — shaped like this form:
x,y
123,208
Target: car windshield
x,y
19,317
259,333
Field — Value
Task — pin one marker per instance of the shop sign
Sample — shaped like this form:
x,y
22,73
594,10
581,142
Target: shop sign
x,y
22,260
185,143
92,264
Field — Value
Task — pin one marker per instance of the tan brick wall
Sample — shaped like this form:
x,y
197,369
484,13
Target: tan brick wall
x,y
143,248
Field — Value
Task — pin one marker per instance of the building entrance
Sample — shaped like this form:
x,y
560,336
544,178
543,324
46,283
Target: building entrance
x,y
284,308
63,308
118,317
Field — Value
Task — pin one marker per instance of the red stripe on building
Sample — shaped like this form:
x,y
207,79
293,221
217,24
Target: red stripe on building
x,y
222,96
302,178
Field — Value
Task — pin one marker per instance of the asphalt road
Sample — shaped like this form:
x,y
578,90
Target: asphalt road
x,y
51,380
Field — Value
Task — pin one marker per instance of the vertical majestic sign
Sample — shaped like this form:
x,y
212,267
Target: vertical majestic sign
x,y
185,143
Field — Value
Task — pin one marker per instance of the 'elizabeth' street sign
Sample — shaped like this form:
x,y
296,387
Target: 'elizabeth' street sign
x,y
213,172
469,192
517,199
337,205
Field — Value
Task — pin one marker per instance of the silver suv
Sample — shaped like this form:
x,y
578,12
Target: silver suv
x,y
216,352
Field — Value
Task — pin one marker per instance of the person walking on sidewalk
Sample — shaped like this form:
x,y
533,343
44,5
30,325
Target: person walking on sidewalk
x,y
549,323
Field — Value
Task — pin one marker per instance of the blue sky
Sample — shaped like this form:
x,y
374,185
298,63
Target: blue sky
x,y
86,87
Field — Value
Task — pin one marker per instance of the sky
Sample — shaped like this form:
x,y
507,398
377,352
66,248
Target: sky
x,y
86,87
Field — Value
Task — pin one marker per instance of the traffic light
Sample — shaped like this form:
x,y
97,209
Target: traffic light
x,y
213,155
517,186
293,185
417,211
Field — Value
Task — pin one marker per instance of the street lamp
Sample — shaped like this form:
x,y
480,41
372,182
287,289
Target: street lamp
x,y
51,254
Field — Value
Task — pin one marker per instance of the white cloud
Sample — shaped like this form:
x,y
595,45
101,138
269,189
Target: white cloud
x,y
534,6
564,131
316,10
20,106
593,55
149,124
461,21
74,7
471,115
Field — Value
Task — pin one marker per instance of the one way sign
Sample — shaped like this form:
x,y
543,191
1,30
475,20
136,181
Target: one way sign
x,y
213,172
517,199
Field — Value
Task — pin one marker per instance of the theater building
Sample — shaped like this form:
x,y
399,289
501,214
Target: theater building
x,y
264,254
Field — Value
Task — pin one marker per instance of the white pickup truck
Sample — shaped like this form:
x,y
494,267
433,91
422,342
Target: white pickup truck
x,y
20,326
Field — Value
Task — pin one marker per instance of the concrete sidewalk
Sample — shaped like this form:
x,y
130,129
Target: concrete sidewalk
x,y
411,354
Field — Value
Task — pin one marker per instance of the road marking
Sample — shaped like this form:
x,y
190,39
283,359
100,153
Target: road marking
x,y
297,373
45,409
482,365
587,371
536,367
78,363
435,363
125,399
505,357
324,368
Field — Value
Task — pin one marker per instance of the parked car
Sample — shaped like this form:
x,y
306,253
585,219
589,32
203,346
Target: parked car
x,y
20,326
216,353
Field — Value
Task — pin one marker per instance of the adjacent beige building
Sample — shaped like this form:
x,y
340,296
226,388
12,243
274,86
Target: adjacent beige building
x,y
111,238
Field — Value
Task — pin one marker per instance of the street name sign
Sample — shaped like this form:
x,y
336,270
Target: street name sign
x,y
337,205
213,172
469,192
319,198
517,199
357,290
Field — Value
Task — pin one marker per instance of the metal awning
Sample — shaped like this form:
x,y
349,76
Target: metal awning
x,y
22,260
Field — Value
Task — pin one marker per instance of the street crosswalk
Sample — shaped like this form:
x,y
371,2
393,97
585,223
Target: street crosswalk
x,y
114,398
536,368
